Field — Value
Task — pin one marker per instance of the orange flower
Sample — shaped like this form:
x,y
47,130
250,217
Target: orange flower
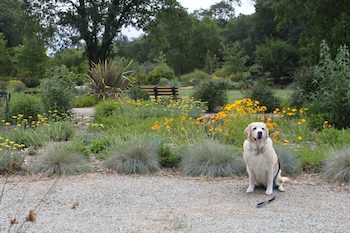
x,y
155,126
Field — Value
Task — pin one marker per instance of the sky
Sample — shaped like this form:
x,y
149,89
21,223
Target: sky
x,y
247,8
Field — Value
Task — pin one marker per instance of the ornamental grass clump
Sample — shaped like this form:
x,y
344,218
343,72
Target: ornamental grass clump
x,y
10,162
137,156
210,158
337,167
58,131
62,160
290,163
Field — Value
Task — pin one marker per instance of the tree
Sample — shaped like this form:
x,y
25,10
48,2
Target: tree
x,y
5,58
97,22
235,59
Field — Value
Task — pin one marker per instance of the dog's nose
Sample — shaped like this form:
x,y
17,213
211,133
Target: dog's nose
x,y
259,134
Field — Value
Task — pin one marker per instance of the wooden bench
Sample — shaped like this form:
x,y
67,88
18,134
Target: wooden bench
x,y
161,91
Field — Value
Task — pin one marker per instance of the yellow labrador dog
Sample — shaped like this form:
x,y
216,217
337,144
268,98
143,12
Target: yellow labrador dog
x,y
261,160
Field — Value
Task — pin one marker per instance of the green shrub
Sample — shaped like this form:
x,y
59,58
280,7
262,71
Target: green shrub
x,y
136,93
214,93
312,158
10,162
334,137
58,90
29,137
62,160
210,158
168,157
85,101
58,131
304,86
265,96
337,167
16,86
138,156
195,77
27,105
3,85
106,108
290,163
279,58
162,70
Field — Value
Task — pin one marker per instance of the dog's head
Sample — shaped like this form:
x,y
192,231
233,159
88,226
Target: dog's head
x,y
257,132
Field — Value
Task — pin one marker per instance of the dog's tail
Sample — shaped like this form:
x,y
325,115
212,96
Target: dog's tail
x,y
284,179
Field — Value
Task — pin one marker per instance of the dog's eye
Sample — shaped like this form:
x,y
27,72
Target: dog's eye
x,y
263,128
254,128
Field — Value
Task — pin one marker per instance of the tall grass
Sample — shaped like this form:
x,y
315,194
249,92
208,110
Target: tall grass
x,y
210,158
337,167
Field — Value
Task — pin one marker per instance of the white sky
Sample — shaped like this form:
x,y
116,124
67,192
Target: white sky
x,y
246,8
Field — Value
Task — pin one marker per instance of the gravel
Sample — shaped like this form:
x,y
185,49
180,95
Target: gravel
x,y
168,202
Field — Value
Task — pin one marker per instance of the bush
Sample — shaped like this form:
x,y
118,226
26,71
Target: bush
x,y
290,163
10,162
195,77
337,167
62,160
304,86
27,105
210,158
58,90
168,157
279,58
214,93
3,85
85,101
138,156
106,108
136,93
265,96
29,137
58,131
16,86
162,70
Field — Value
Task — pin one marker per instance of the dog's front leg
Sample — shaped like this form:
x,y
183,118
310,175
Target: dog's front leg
x,y
269,185
251,181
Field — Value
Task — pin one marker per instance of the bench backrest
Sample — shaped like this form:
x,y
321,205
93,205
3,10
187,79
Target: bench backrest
x,y
161,91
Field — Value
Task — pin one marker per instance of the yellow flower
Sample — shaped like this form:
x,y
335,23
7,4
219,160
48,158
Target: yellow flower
x,y
303,120
286,140
155,126
299,123
300,138
7,123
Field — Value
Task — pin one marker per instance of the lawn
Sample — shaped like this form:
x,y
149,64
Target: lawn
x,y
283,94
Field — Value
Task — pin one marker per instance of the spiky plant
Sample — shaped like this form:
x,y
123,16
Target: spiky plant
x,y
137,156
210,158
108,79
62,160
290,163
337,167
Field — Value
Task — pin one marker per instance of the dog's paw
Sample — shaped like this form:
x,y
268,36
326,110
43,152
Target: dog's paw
x,y
268,192
250,189
281,188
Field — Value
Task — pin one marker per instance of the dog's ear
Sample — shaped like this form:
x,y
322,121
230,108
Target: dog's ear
x,y
267,132
247,131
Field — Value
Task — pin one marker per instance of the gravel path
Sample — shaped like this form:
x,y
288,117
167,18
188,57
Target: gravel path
x,y
81,112
172,203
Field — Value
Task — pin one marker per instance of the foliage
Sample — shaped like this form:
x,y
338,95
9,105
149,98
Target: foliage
x,y
58,131
58,90
27,105
10,161
279,58
213,93
331,99
137,93
30,61
262,93
138,156
333,137
290,163
210,158
337,167
61,160
28,137
168,156
162,70
312,158
15,86
305,85
106,108
5,57
109,79
195,77
85,101
235,59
